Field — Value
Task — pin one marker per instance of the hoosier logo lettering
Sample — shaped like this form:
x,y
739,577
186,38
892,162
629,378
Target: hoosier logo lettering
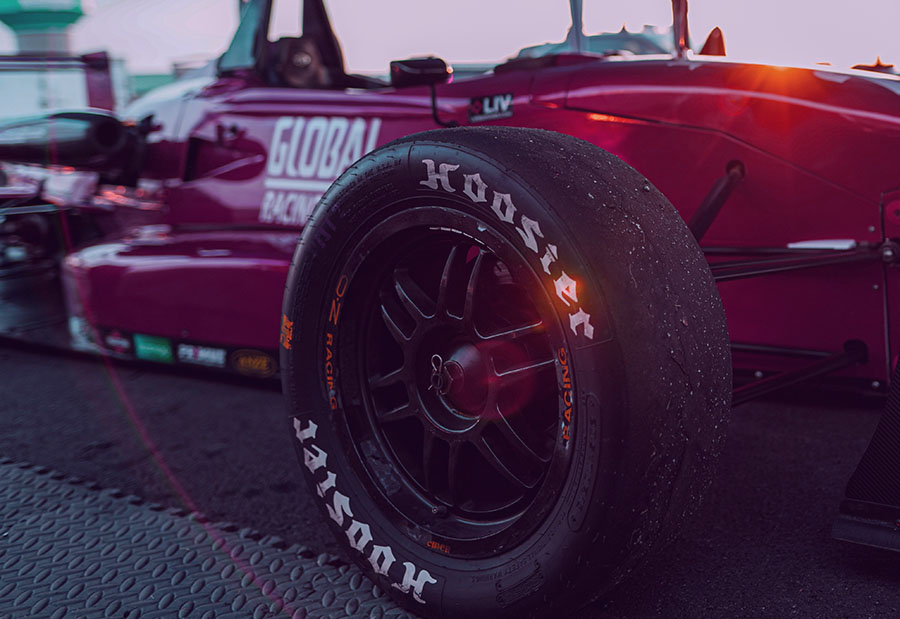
x,y
501,204
305,156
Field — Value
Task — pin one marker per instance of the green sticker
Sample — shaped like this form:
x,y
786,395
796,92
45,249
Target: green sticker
x,y
152,348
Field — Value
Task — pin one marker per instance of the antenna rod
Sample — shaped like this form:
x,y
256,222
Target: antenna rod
x,y
680,27
575,38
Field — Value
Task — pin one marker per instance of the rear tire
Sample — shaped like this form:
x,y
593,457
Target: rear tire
x,y
507,367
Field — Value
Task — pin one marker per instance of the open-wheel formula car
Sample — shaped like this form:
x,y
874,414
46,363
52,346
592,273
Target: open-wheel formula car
x,y
502,335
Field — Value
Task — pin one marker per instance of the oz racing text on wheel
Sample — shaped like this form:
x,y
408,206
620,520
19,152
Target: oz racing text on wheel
x,y
506,366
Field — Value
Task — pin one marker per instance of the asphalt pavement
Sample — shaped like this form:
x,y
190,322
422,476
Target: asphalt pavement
x,y
761,546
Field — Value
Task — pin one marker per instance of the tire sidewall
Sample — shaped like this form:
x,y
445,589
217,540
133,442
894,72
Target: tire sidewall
x,y
509,581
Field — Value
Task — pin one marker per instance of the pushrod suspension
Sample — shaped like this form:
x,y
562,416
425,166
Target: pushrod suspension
x,y
712,204
741,269
854,352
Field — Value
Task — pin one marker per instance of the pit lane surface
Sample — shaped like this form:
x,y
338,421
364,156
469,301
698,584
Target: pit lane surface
x,y
761,547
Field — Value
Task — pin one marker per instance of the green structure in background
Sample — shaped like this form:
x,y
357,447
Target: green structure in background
x,y
41,26
141,84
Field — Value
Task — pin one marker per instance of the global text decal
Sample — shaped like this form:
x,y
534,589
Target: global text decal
x,y
306,154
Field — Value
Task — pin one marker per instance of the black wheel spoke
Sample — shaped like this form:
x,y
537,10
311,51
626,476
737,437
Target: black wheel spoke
x,y
412,296
517,333
453,472
525,375
386,380
453,266
497,463
427,460
398,413
391,321
517,443
394,329
471,288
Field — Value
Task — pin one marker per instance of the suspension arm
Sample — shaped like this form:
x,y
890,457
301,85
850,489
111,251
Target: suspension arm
x,y
854,352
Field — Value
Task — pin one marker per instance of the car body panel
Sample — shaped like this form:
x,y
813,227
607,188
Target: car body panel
x,y
808,117
200,286
235,166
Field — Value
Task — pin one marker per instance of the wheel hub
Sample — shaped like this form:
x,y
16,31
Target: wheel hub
x,y
460,382
454,389
465,380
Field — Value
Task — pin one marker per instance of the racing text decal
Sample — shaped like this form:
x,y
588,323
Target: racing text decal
x,y
334,314
287,331
568,401
306,154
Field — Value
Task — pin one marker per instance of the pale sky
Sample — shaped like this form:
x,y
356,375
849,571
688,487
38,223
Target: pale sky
x,y
151,34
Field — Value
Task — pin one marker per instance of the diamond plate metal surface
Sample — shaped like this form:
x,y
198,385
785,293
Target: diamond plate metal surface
x,y
69,549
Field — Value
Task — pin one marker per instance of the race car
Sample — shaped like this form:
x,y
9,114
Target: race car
x,y
502,333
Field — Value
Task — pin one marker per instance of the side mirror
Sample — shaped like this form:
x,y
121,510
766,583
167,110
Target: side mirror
x,y
419,72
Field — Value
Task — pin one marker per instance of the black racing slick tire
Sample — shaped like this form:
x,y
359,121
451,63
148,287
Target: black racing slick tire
x,y
507,369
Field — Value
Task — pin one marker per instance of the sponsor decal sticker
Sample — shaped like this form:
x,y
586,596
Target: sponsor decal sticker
x,y
117,342
201,355
306,154
253,363
81,334
287,332
152,348
491,107
438,546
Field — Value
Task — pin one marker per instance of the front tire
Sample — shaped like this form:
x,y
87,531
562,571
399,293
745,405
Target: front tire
x,y
507,369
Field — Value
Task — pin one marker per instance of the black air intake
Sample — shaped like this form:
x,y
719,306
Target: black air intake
x,y
88,140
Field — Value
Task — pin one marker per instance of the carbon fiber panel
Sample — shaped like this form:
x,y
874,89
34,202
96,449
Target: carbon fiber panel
x,y
877,477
